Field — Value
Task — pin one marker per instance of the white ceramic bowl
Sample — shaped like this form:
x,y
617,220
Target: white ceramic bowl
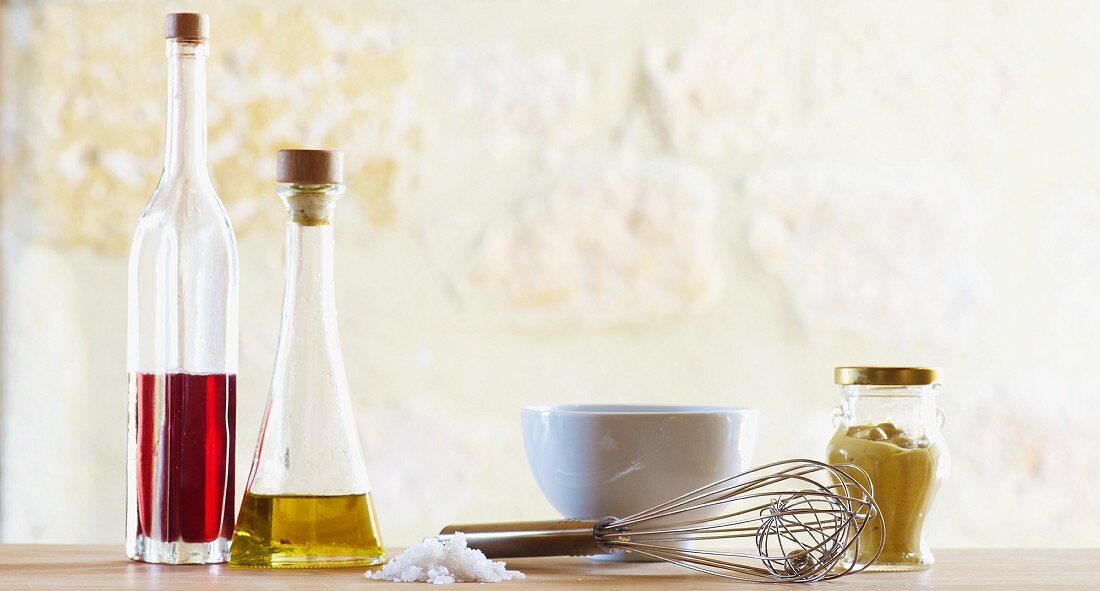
x,y
594,461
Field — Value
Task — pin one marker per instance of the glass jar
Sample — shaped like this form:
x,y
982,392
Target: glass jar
x,y
888,423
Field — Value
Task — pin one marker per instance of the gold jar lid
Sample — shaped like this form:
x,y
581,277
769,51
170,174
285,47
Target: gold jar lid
x,y
886,376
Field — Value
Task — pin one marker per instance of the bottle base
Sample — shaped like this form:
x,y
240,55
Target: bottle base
x,y
306,531
146,549
289,561
897,568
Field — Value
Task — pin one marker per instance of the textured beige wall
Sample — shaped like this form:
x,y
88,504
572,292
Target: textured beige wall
x,y
693,202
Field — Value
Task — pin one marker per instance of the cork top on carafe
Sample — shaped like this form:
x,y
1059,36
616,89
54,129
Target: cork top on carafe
x,y
187,25
310,167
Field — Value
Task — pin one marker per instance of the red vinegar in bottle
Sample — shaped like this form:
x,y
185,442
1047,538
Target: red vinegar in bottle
x,y
182,337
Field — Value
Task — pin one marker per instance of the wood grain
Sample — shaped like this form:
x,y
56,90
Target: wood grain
x,y
30,568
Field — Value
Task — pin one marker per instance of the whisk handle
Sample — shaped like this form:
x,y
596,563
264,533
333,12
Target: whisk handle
x,y
567,537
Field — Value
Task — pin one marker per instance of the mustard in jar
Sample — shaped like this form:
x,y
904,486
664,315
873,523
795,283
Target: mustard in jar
x,y
889,426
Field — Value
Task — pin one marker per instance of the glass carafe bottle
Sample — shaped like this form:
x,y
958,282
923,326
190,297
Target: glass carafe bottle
x,y
182,337
308,503
888,424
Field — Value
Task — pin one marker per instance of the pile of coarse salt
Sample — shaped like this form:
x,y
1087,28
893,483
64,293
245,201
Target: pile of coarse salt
x,y
432,561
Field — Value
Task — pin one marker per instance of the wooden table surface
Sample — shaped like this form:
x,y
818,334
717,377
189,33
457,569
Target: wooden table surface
x,y
31,567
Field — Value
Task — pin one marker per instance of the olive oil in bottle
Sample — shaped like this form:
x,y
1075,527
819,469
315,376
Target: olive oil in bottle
x,y
307,531
308,501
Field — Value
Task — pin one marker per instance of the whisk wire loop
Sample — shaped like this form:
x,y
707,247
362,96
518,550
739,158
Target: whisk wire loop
x,y
804,518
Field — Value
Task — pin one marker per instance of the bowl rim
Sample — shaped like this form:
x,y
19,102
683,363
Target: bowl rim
x,y
636,409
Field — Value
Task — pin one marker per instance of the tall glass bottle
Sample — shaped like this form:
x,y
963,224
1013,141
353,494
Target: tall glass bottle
x,y
308,501
182,338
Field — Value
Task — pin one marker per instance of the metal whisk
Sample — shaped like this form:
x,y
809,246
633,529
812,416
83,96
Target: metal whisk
x,y
803,517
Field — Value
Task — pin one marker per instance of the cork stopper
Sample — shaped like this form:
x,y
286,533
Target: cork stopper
x,y
310,167
186,25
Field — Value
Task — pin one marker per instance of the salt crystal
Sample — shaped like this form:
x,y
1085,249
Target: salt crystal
x,y
432,561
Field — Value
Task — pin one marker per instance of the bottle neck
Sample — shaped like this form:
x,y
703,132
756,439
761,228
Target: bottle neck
x,y
310,303
185,139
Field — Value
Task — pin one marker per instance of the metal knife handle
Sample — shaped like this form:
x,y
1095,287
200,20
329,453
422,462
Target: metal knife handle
x,y
568,537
